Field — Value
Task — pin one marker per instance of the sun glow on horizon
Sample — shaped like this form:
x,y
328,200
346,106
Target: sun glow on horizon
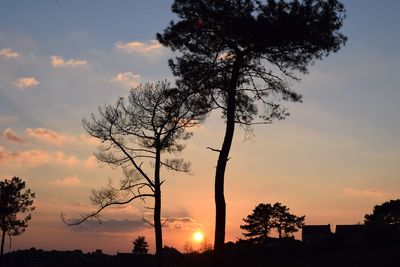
x,y
198,236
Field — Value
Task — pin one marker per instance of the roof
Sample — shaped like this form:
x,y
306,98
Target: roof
x,y
350,229
317,229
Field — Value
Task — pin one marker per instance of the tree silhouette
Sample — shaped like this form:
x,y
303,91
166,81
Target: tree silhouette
x,y
242,55
386,213
258,224
13,201
140,245
284,222
151,123
266,217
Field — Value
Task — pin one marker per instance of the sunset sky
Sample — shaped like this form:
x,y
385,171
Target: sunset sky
x,y
332,160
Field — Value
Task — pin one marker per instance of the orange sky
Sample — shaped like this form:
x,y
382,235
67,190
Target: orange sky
x,y
332,160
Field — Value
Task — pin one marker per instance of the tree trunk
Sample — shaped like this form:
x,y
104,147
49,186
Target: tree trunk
x,y
220,206
157,210
2,249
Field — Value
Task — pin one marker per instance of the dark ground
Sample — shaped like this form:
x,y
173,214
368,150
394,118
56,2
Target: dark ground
x,y
361,255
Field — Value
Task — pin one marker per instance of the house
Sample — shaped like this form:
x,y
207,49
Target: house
x,y
351,234
383,233
316,234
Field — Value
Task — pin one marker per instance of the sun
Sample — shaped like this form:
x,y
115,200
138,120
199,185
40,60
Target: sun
x,y
198,236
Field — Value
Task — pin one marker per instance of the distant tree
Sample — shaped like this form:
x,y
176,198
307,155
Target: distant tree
x,y
266,217
241,56
140,245
14,200
258,224
150,124
285,223
386,213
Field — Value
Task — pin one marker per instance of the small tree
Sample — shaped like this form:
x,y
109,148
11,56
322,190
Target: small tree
x,y
14,201
386,213
266,217
150,124
258,224
285,223
140,245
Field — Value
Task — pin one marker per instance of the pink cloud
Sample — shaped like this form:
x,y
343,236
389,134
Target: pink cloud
x,y
139,47
89,139
8,53
31,158
90,162
364,192
48,135
58,61
25,82
129,79
67,181
12,136
61,158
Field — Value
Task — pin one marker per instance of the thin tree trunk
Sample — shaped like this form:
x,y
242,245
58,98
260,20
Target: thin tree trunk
x,y
157,210
220,205
2,249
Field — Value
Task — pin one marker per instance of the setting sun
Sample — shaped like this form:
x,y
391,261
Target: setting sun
x,y
198,236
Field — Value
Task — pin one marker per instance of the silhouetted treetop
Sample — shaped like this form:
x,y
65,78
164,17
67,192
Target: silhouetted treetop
x,y
256,39
386,213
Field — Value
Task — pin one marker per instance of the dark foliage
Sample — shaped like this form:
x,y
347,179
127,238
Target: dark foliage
x,y
14,200
266,217
386,213
140,245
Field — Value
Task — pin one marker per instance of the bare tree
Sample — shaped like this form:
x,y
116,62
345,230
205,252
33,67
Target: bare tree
x,y
151,123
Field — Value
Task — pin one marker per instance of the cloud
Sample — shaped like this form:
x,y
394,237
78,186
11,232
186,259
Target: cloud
x,y
67,181
12,136
111,226
25,82
89,139
129,79
31,158
61,158
139,47
181,222
8,119
90,162
364,192
8,53
58,61
48,135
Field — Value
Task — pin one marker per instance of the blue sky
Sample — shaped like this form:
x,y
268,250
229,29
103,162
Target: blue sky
x,y
332,160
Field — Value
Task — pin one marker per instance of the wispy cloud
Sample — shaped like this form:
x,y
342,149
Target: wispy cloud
x,y
8,119
58,61
129,79
67,181
12,136
90,162
111,226
364,192
31,158
48,135
89,139
61,158
8,53
139,47
25,82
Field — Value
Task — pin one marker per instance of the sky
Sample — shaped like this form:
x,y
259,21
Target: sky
x,y
332,160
